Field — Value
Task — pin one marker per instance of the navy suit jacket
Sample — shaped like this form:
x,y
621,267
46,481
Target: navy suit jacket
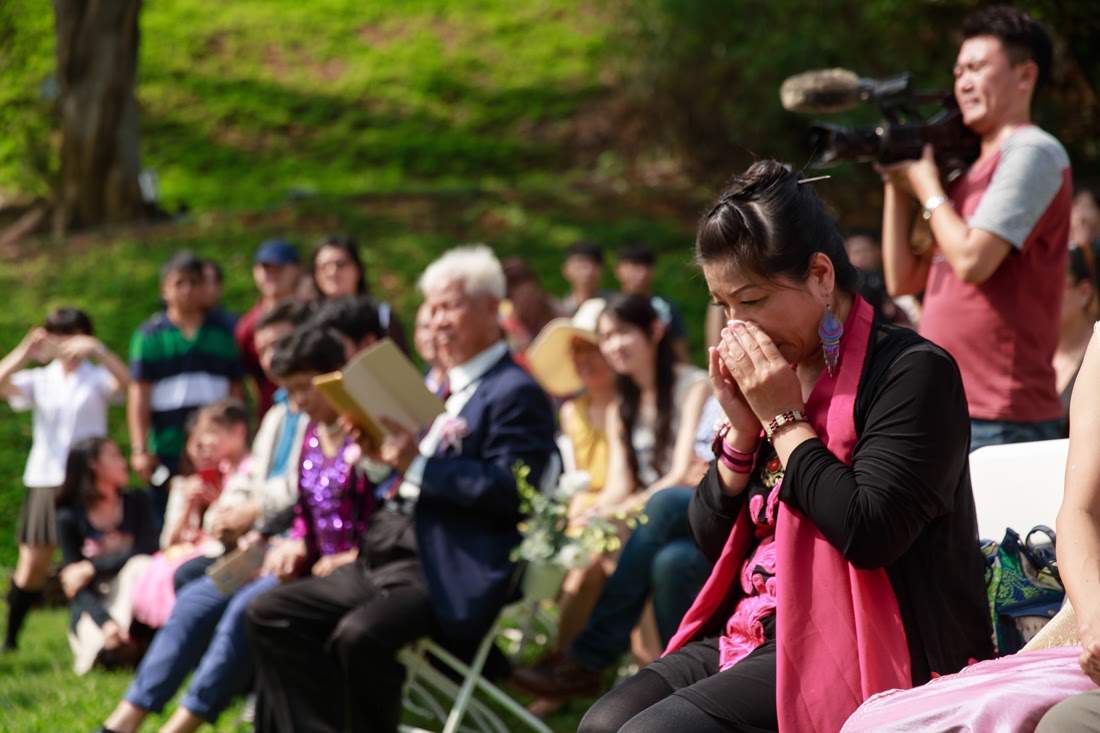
x,y
468,509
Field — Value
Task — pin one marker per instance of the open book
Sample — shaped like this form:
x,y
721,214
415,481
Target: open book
x,y
380,382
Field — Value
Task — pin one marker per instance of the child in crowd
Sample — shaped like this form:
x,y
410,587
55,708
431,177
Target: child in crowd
x,y
106,534
180,359
216,458
69,397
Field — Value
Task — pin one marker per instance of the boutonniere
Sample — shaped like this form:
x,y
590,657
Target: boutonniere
x,y
452,431
352,453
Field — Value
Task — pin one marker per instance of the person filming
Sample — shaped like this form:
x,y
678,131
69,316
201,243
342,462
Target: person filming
x,y
994,271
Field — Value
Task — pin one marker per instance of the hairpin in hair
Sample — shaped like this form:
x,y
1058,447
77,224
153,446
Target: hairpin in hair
x,y
813,180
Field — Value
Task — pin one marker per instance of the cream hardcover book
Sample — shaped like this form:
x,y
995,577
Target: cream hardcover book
x,y
380,381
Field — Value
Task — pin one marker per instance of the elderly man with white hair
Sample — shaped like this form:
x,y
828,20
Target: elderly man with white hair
x,y
434,559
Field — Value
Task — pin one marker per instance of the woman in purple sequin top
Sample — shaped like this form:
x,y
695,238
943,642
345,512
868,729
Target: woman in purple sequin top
x,y
333,502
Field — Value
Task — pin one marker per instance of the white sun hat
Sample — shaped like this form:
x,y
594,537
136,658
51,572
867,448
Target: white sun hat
x,y
549,356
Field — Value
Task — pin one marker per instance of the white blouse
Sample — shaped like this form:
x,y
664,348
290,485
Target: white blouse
x,y
67,409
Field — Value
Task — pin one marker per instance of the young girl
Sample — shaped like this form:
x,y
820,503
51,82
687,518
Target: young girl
x,y
106,534
216,464
69,397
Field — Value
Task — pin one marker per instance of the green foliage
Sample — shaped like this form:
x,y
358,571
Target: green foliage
x,y
549,538
28,158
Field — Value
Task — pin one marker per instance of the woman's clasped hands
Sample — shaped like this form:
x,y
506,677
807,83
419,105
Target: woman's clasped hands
x,y
752,381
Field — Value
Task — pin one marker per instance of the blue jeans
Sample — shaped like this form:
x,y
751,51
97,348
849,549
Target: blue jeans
x,y
1000,432
206,629
659,558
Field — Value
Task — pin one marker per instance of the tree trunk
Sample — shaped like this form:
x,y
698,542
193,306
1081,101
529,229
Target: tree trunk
x,y
97,47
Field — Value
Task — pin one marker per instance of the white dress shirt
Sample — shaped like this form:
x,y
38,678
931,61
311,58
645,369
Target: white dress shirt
x,y
463,381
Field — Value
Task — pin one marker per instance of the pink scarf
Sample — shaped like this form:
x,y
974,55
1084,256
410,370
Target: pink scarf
x,y
840,637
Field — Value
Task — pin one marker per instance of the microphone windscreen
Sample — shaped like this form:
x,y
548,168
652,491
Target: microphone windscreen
x,y
820,92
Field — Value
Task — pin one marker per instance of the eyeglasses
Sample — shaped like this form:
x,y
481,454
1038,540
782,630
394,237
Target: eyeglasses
x,y
336,265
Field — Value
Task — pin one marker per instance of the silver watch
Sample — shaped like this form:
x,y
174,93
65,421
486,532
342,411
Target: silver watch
x,y
933,203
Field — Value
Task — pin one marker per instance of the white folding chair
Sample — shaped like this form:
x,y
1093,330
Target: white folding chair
x,y
473,706
1018,485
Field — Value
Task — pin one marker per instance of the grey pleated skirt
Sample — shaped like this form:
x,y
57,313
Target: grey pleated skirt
x,y
38,517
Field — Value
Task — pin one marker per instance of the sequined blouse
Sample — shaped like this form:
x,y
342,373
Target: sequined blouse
x,y
334,499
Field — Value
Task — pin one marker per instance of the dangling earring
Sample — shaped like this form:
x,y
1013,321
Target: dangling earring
x,y
830,331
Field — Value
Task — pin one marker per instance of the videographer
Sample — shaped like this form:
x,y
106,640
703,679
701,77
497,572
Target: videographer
x,y
994,276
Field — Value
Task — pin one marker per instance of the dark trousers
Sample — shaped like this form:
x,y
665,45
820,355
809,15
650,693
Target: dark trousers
x,y
326,648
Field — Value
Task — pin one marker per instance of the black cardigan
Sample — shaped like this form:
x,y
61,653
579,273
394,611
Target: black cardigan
x,y
73,528
905,504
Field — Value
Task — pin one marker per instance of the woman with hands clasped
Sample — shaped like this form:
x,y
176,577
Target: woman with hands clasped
x,y
838,512
69,395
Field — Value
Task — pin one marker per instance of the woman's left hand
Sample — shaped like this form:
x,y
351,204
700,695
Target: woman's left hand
x,y
328,563
766,379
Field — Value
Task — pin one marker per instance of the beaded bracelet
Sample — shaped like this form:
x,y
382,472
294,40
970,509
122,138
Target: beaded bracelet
x,y
784,418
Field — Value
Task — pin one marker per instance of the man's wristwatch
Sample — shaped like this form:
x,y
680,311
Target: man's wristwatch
x,y
931,204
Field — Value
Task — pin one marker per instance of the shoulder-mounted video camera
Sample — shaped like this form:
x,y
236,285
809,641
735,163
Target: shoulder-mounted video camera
x,y
901,135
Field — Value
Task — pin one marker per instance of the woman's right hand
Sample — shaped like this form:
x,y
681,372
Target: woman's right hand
x,y
743,421
285,559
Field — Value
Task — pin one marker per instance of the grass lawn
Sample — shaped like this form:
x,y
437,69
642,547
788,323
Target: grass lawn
x,y
40,694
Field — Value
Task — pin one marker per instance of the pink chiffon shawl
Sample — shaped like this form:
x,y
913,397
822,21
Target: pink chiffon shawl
x,y
839,633
1009,695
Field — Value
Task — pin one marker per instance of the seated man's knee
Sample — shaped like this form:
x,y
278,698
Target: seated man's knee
x,y
360,634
